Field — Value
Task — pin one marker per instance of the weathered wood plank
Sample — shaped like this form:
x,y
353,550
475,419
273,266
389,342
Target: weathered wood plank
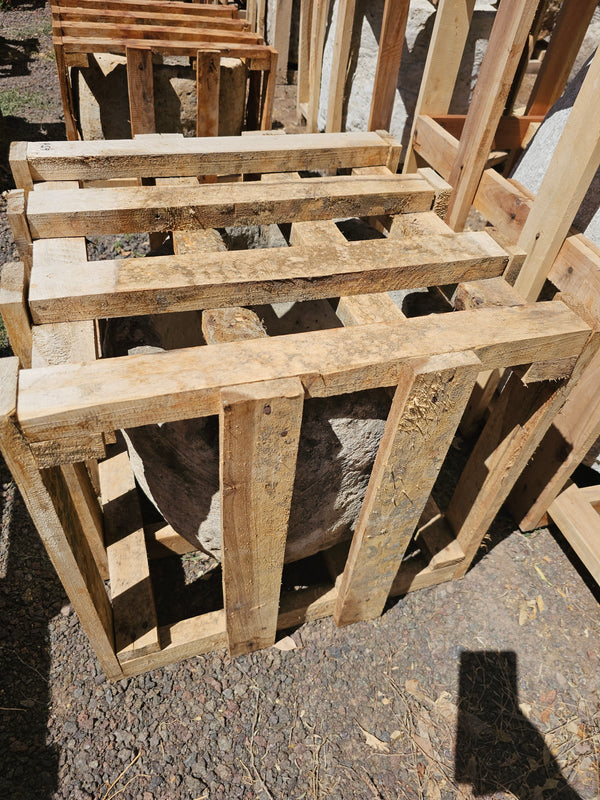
x,y
318,28
160,208
150,31
126,287
136,627
259,433
423,418
145,15
16,205
579,522
14,310
339,64
281,36
391,43
140,87
197,9
49,503
208,82
19,167
145,389
166,157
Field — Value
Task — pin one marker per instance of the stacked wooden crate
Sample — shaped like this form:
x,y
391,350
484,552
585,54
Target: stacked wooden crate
x,y
58,413
140,28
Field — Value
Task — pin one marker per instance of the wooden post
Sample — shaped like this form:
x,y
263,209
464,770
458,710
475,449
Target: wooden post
x,y
19,166
52,511
317,42
569,32
391,42
140,86
14,310
448,39
339,64
574,163
16,213
268,93
512,24
208,79
304,34
281,36
423,418
259,434
66,92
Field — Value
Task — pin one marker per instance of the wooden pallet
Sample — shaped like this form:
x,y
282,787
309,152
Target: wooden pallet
x,y
139,29
61,404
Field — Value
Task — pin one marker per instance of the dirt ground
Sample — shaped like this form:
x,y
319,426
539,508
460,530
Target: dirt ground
x,y
488,687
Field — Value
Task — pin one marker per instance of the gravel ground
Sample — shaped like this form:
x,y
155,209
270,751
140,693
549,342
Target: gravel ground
x,y
489,687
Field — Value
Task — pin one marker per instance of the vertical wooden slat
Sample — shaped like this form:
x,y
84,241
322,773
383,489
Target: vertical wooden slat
x,y
268,93
515,427
281,36
259,433
391,42
318,27
507,39
19,166
140,86
66,93
16,213
208,80
567,37
49,504
574,163
306,11
448,39
14,311
339,64
136,627
423,418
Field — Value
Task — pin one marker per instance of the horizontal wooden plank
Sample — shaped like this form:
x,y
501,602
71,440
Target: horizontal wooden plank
x,y
146,15
82,212
511,133
124,30
224,155
579,523
198,9
100,44
142,389
126,287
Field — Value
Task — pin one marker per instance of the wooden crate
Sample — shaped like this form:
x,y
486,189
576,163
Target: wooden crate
x,y
56,416
140,28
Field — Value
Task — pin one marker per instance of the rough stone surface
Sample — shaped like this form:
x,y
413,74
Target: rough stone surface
x,y
533,164
104,104
366,32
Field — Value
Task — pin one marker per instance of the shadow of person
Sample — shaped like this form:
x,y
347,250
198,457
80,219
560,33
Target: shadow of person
x,y
497,748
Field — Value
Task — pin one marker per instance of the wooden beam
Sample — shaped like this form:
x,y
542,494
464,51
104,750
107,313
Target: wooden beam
x,y
568,34
126,287
147,389
197,9
16,204
391,42
19,167
259,433
146,16
123,30
208,81
512,131
579,523
304,41
140,86
84,212
14,310
281,36
423,418
505,45
446,47
339,64
574,163
49,503
318,28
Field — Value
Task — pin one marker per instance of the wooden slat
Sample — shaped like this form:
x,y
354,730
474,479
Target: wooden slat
x,y
281,36
196,9
391,42
507,39
160,208
122,30
259,433
304,34
49,503
512,131
147,389
318,28
136,627
448,39
574,163
339,64
126,287
208,82
570,29
579,522
19,167
423,418
516,426
17,219
163,156
144,15
140,87
66,92
14,310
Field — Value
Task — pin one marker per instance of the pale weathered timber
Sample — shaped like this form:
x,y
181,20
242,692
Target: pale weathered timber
x,y
158,284
144,389
16,205
391,43
208,74
424,416
146,15
136,628
339,64
14,310
318,26
579,523
163,156
507,39
197,9
259,430
19,167
159,208
184,32
140,87
55,517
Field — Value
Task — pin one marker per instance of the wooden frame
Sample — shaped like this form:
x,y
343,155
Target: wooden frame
x,y
430,362
576,513
139,29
